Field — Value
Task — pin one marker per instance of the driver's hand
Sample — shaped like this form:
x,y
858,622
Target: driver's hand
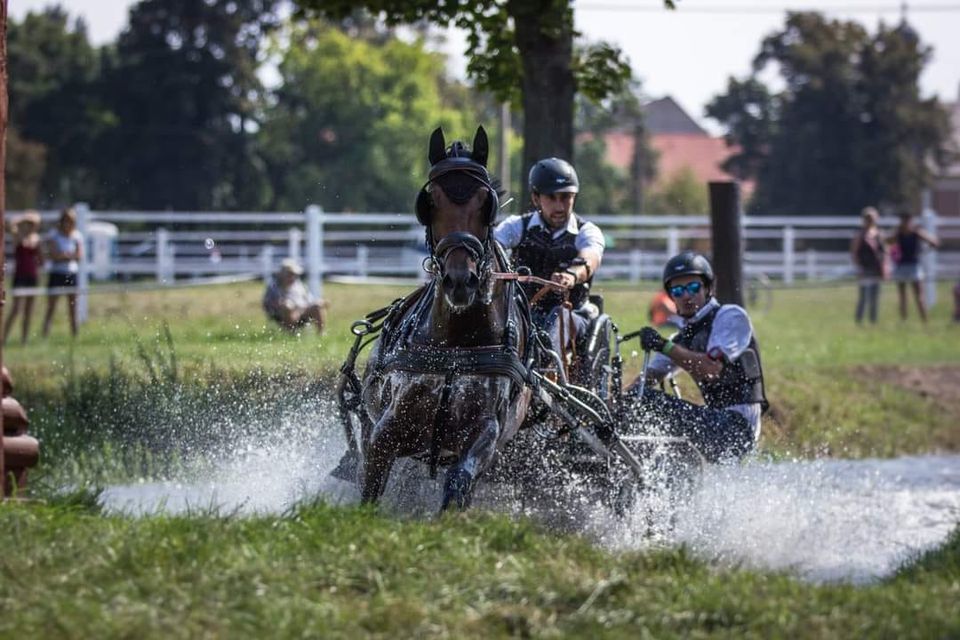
x,y
567,280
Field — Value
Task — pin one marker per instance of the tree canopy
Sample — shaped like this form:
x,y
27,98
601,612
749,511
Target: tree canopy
x,y
339,134
850,127
520,50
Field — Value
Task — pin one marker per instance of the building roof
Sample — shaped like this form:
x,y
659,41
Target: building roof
x,y
666,116
702,154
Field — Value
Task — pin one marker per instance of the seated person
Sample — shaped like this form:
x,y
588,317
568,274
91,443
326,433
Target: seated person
x,y
288,302
662,312
555,244
716,345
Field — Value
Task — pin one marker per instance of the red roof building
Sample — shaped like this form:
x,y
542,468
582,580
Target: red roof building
x,y
680,144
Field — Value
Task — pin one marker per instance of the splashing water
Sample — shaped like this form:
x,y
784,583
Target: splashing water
x,y
823,520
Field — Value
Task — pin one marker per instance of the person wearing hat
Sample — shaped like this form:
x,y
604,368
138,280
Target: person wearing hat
x,y
717,346
287,301
556,244
26,270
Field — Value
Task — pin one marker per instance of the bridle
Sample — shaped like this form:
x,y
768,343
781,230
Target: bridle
x,y
478,250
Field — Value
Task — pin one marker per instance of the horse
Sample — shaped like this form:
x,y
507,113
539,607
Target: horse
x,y
446,380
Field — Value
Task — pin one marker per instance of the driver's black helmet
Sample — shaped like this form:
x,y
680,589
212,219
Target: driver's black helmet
x,y
553,175
686,264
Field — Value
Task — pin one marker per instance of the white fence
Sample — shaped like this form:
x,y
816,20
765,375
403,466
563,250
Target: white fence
x,y
174,246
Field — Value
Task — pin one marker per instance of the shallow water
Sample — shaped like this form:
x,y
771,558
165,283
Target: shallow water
x,y
824,520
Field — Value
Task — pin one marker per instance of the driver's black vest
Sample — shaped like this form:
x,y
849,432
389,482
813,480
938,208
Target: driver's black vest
x,y
544,255
740,382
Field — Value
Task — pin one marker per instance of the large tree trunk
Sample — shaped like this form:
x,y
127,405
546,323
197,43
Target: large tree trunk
x,y
3,194
545,41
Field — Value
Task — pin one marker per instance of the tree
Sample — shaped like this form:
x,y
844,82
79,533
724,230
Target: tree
x,y
339,134
521,50
604,187
849,128
183,88
54,115
680,194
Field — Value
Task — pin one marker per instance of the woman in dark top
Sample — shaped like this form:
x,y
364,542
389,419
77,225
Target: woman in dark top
x,y
869,255
26,270
908,240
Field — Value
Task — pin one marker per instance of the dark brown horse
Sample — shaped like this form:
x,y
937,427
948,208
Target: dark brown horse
x,y
446,380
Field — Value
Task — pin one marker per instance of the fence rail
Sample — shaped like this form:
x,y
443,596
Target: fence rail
x,y
186,245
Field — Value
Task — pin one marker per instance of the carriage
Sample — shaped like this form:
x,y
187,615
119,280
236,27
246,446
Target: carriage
x,y
461,378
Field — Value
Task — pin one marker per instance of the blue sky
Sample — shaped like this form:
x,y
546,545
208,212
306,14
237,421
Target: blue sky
x,y
688,53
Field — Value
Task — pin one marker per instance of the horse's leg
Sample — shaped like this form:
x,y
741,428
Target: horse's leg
x,y
458,485
381,451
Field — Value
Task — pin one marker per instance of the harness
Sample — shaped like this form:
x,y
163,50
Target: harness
x,y
544,254
740,381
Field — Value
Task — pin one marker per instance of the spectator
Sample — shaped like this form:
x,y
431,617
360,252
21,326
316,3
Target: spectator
x,y
908,240
662,312
287,301
64,249
869,257
26,274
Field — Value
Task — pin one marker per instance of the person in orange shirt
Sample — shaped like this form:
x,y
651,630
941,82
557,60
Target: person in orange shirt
x,y
662,311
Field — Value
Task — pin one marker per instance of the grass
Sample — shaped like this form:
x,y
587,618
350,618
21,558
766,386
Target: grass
x,y
225,326
156,376
171,359
321,571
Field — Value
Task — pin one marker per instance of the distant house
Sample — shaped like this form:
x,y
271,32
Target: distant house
x,y
946,188
680,144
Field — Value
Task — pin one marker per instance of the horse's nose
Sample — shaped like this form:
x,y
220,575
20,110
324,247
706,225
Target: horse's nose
x,y
460,288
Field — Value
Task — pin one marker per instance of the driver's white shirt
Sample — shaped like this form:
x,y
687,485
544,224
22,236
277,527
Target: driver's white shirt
x,y
509,233
729,337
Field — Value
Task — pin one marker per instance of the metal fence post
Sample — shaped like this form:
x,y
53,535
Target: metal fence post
x,y
363,260
294,240
789,257
83,275
673,242
315,250
266,262
163,240
636,266
811,264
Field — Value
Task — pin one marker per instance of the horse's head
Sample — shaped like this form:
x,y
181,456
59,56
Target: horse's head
x,y
458,206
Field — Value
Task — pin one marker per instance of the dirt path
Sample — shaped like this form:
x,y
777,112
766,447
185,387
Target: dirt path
x,y
940,383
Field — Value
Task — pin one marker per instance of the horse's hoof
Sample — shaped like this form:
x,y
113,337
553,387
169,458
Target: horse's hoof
x,y
346,469
456,491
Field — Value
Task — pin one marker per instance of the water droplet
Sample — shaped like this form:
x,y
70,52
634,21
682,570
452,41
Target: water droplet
x,y
209,244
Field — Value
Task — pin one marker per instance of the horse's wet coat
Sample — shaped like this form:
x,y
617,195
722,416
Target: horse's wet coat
x,y
470,401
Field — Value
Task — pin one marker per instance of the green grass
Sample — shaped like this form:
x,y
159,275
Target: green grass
x,y
224,325
348,572
127,399
125,370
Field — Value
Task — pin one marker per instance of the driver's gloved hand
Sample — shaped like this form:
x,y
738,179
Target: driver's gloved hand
x,y
651,340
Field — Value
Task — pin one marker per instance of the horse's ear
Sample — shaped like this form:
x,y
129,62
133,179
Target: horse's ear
x,y
481,147
438,146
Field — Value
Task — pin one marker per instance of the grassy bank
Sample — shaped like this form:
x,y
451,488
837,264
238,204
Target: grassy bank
x,y
334,572
166,370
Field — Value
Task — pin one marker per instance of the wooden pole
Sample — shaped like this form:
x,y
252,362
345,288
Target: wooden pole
x,y
727,241
3,198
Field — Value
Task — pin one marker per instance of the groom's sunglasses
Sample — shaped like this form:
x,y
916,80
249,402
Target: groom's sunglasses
x,y
693,288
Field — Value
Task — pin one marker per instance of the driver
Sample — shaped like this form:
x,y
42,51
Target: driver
x,y
555,244
717,346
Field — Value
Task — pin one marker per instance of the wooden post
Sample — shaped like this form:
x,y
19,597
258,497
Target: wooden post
x,y
3,195
727,241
